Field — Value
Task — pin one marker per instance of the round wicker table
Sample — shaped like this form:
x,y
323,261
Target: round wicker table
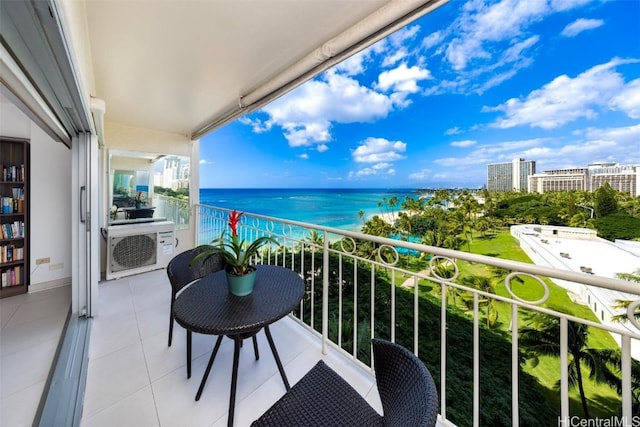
x,y
207,307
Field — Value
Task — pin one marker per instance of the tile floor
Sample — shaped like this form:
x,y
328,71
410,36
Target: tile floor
x,y
31,328
135,379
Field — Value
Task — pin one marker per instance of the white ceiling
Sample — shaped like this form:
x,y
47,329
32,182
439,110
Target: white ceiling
x,y
178,65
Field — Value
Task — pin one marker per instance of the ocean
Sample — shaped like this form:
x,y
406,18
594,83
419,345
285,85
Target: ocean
x,y
336,208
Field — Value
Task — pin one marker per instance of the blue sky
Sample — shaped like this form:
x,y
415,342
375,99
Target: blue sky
x,y
472,83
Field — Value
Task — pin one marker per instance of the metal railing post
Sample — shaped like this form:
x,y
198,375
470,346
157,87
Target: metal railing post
x,y
325,291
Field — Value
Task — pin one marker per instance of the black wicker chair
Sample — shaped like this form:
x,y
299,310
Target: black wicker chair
x,y
323,398
181,273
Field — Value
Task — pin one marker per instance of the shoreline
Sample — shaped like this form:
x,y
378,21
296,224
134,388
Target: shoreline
x,y
389,217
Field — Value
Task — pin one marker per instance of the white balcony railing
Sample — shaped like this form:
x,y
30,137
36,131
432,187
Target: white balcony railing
x,y
360,286
173,209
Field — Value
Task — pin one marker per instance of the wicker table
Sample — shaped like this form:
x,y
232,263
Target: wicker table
x,y
207,307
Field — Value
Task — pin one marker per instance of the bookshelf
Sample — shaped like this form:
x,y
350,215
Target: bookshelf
x,y
14,216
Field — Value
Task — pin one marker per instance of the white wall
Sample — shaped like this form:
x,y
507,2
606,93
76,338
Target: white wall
x,y
50,208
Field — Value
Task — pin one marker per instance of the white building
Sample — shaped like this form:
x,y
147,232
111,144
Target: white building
x,y
559,180
623,178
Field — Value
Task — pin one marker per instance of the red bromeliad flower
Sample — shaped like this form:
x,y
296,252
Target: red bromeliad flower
x,y
234,218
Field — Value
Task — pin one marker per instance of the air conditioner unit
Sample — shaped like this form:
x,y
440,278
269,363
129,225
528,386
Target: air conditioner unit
x,y
137,248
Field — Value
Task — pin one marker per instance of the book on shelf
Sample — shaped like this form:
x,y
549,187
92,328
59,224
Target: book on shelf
x,y
13,173
14,230
12,204
13,276
10,253
7,205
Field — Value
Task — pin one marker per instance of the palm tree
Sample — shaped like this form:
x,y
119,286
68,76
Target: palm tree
x,y
613,359
361,215
483,225
314,238
412,205
541,337
376,226
624,303
404,223
393,202
460,224
484,284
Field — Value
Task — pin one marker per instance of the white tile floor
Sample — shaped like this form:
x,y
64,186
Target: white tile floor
x,y
135,379
31,328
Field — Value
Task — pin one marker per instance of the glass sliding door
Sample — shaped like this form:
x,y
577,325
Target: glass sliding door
x,y
85,225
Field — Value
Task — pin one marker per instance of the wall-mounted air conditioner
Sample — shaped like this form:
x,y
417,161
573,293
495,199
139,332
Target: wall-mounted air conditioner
x,y
137,248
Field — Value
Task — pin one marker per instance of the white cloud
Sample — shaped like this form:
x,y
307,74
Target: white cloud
x,y
304,156
562,5
462,161
306,113
567,99
628,100
481,24
322,148
396,43
492,153
432,39
257,125
380,169
402,79
580,25
514,52
624,135
474,45
420,175
395,57
464,144
584,147
354,65
376,150
381,166
453,131
619,144
303,134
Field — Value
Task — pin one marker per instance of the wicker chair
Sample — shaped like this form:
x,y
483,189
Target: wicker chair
x,y
181,274
322,398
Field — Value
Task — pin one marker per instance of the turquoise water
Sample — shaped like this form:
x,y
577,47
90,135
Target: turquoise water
x,y
336,208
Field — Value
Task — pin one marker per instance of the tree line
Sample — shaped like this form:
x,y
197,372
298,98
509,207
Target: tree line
x,y
450,218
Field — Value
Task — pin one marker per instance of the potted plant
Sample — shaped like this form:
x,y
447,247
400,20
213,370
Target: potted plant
x,y
237,254
139,200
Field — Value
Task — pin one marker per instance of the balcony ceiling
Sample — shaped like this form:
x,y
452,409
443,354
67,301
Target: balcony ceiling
x,y
180,66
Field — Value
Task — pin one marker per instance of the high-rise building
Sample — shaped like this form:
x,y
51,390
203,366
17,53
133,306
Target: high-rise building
x,y
174,173
623,178
512,176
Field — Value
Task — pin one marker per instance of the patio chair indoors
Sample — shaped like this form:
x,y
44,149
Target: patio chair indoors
x,y
323,398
